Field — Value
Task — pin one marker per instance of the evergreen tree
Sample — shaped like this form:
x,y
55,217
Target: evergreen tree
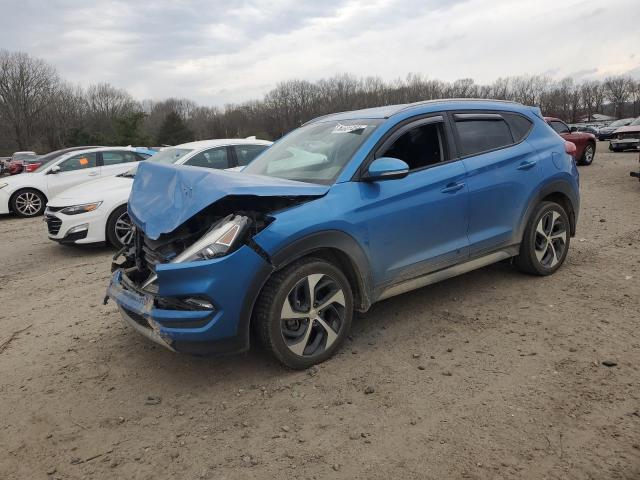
x,y
174,131
128,130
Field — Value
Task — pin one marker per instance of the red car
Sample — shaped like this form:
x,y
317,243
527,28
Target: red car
x,y
16,164
585,142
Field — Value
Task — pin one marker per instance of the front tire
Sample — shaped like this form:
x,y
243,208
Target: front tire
x,y
28,203
546,239
304,313
119,228
588,155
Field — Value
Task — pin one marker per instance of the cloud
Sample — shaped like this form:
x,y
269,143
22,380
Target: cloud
x,y
216,51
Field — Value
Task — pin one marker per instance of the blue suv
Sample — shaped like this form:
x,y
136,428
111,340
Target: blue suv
x,y
345,211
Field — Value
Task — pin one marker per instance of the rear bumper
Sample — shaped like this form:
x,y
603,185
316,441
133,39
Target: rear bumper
x,y
230,284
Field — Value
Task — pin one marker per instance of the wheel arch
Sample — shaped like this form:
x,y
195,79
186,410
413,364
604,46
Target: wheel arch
x,y
338,248
22,189
108,218
559,192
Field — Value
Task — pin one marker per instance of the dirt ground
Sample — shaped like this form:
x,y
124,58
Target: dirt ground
x,y
489,375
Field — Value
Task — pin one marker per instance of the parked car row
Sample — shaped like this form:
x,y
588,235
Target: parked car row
x,y
26,195
606,133
97,211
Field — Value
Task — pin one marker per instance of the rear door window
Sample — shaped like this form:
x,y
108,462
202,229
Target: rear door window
x,y
477,135
213,158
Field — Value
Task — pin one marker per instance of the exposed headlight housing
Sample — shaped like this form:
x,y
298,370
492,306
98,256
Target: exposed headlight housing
x,y
77,209
217,241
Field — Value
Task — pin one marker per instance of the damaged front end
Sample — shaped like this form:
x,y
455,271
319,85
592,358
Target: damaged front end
x,y
192,289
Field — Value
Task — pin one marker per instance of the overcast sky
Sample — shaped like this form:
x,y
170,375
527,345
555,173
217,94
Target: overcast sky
x,y
218,51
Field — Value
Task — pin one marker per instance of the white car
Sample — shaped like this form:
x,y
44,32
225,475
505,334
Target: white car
x,y
26,194
97,211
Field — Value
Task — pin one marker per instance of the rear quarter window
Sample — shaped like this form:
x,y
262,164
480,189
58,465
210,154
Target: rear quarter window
x,y
482,135
520,126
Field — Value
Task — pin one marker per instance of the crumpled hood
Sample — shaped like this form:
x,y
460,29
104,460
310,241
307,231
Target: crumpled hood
x,y
163,197
93,191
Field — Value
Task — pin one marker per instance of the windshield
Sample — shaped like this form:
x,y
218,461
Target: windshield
x,y
314,153
166,156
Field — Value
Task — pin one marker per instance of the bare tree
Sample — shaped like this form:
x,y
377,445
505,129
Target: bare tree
x,y
588,92
635,97
26,86
618,90
36,109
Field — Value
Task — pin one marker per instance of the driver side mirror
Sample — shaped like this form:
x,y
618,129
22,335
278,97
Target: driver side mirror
x,y
386,168
54,169
574,129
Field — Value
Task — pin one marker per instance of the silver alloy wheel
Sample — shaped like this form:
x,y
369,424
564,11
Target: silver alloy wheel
x,y
312,315
551,239
28,203
588,154
123,229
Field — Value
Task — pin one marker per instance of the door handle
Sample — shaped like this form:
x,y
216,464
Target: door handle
x,y
527,165
93,174
452,188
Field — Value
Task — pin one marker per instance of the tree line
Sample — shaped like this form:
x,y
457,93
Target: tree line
x,y
41,111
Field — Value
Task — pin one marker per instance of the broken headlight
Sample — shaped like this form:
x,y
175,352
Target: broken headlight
x,y
216,242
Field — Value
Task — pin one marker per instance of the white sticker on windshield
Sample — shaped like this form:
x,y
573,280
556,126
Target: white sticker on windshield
x,y
339,128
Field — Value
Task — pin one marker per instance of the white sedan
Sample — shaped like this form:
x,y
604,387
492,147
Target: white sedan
x,y
26,194
97,211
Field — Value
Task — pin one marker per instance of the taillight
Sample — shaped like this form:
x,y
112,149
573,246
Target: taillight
x,y
570,148
30,167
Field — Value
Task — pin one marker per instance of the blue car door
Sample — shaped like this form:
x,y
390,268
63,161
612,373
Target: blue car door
x,y
502,175
416,224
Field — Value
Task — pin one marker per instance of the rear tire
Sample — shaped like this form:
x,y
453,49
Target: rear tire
x,y
588,155
116,227
28,203
304,313
546,239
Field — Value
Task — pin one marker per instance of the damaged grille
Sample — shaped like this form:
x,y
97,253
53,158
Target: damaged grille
x,y
152,257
